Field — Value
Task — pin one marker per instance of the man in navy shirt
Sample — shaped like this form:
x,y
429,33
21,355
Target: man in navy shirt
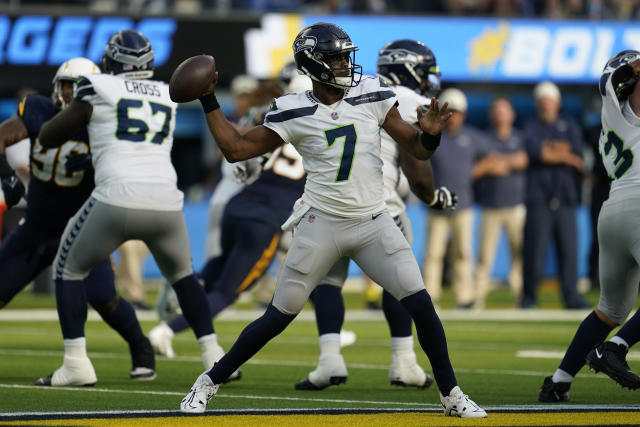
x,y
453,163
500,192
553,144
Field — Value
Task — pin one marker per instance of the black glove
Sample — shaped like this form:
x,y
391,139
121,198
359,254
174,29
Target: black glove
x,y
13,190
444,199
78,162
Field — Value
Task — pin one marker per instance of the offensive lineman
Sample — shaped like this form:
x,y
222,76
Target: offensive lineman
x,y
336,130
410,67
130,121
61,180
618,235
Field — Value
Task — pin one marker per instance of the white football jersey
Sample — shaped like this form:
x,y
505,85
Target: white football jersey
x,y
339,145
409,102
619,140
131,135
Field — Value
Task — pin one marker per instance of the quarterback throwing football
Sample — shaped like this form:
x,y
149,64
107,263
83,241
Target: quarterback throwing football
x,y
342,213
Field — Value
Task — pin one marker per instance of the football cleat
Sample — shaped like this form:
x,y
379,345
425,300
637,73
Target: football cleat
x,y
75,371
195,402
331,370
458,404
160,337
610,358
405,371
143,361
553,392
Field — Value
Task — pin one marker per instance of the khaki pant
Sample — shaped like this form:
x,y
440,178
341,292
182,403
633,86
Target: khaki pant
x,y
460,225
129,269
493,221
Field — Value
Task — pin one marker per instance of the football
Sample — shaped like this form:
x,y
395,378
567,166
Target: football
x,y
191,78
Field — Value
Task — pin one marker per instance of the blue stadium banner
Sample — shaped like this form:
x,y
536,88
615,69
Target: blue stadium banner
x,y
33,46
467,49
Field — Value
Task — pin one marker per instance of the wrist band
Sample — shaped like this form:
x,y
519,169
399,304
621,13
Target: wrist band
x,y
430,142
209,103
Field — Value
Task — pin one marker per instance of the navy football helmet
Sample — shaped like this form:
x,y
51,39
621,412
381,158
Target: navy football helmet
x,y
316,44
129,54
623,78
412,64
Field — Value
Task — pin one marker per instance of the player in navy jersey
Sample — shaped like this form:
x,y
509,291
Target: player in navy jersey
x,y
250,238
62,179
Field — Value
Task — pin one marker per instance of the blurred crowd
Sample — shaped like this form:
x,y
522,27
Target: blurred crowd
x,y
555,9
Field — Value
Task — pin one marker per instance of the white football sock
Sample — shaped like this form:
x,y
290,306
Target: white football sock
x,y
329,343
560,376
402,344
75,347
208,342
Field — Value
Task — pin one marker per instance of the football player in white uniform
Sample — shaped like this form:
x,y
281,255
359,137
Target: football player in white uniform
x,y
336,129
410,67
130,121
618,236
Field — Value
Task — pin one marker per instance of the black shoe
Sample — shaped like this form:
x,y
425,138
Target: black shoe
x,y
143,360
553,392
610,358
305,384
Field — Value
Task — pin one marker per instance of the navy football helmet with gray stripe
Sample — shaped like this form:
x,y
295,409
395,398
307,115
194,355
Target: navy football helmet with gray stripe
x,y
314,48
624,77
129,54
411,64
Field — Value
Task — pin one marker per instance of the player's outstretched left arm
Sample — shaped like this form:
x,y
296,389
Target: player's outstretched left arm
x,y
61,127
421,144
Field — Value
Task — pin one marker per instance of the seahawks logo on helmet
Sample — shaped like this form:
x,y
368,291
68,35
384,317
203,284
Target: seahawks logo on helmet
x,y
304,43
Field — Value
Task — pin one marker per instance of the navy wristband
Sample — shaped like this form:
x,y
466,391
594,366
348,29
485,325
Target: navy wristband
x,y
209,103
430,142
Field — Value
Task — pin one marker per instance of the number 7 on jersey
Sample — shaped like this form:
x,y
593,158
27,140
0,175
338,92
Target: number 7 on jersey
x,y
348,132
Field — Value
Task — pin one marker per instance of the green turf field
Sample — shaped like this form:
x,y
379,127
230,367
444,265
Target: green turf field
x,y
500,355
498,363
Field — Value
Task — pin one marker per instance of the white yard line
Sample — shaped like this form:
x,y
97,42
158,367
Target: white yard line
x,y
218,396
498,315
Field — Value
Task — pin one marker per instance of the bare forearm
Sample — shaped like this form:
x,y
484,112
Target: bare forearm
x,y
225,134
420,176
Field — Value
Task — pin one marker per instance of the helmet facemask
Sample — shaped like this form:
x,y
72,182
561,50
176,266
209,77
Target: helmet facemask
x,y
315,51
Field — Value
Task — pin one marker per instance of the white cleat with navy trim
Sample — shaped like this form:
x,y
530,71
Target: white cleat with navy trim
x,y
195,402
458,404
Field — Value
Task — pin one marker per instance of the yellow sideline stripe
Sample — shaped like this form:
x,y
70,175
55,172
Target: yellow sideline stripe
x,y
364,420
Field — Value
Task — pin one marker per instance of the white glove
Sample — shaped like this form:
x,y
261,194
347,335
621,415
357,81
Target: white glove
x,y
443,199
248,171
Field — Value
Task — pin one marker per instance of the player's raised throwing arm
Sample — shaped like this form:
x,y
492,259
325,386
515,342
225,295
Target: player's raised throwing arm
x,y
236,146
420,144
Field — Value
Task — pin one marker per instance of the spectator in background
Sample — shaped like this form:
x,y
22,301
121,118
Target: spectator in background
x,y
554,146
500,192
452,165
